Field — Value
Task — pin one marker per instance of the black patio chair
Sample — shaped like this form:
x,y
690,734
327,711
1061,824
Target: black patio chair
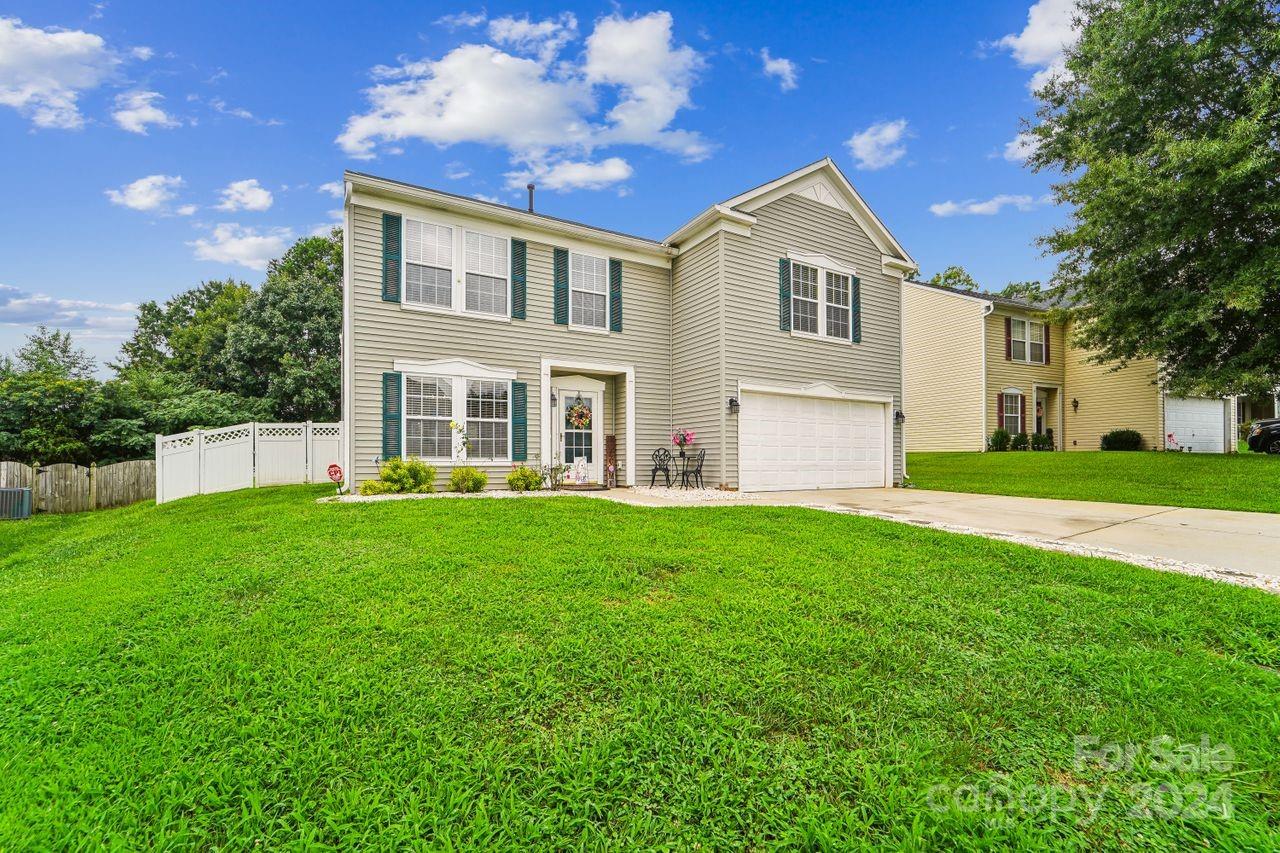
x,y
692,473
661,463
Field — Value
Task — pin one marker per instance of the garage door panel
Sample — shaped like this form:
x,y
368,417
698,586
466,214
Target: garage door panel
x,y
1196,422
793,442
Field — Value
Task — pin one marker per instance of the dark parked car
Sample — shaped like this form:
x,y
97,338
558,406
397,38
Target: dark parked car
x,y
1265,436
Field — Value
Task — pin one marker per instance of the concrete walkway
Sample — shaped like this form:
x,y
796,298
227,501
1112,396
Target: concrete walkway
x,y
1233,541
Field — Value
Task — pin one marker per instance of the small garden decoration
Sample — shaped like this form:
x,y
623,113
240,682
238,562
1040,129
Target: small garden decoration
x,y
579,415
682,438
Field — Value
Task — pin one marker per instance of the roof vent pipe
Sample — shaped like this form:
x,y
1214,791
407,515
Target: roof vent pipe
x,y
529,187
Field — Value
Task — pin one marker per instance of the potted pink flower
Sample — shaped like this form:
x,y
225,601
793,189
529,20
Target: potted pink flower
x,y
682,438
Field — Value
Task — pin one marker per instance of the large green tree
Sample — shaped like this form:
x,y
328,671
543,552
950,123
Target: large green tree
x,y
48,401
187,332
1166,125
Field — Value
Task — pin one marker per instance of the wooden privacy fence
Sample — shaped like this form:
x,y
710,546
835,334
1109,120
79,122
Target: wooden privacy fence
x,y
202,462
66,487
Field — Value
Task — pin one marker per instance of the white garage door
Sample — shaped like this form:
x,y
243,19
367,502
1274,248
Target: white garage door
x,y
1198,423
791,442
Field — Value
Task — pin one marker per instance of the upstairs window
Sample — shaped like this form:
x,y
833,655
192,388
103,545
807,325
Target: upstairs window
x,y
1036,346
588,291
837,306
1026,341
428,264
487,259
804,298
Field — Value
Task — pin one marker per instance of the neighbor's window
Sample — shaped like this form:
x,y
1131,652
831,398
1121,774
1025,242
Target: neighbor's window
x,y
488,418
1012,413
804,298
837,306
1036,347
486,260
1026,341
428,408
1018,340
588,291
428,263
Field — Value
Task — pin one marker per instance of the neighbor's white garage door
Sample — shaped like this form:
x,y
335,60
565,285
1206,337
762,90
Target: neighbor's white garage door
x,y
1196,422
793,442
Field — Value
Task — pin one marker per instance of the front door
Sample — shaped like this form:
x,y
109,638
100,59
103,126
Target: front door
x,y
580,431
1042,411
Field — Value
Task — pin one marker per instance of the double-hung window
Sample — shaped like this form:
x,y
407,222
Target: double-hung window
x,y
1026,341
1035,346
837,306
588,291
488,418
804,298
428,409
428,264
1012,413
486,260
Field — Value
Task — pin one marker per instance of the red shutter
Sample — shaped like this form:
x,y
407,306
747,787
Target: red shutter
x,y
1008,339
1022,412
999,411
1046,343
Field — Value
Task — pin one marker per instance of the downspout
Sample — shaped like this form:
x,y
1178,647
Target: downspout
x,y
348,454
982,321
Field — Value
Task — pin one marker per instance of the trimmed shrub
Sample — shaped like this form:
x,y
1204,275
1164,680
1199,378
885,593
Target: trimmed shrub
x,y
1041,441
402,477
1019,442
467,479
1122,439
999,441
524,479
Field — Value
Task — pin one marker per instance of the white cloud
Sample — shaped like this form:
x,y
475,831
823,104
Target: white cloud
x,y
1049,31
221,106
492,199
785,70
43,72
186,210
573,175
543,39
543,113
245,195
880,145
989,207
152,193
20,308
135,110
230,243
456,171
142,52
1022,146
333,188
462,20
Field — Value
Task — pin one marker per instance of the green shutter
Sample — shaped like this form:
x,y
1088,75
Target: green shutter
x,y
519,267
391,447
391,257
784,294
615,295
519,421
855,314
561,286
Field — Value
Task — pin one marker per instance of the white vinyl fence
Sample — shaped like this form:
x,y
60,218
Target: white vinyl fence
x,y
242,456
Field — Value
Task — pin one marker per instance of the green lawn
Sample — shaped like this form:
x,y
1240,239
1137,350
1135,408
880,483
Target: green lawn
x,y
257,669
1249,481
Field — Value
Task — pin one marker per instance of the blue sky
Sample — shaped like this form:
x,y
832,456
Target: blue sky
x,y
149,146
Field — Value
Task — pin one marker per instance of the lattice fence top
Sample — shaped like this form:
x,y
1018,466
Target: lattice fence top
x,y
326,431
222,436
280,431
178,442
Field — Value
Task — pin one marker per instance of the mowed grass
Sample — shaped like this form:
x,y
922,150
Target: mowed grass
x,y
1248,481
257,669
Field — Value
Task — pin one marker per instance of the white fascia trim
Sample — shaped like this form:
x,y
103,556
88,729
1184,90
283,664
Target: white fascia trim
x,y
717,217
823,261
459,367
890,265
544,407
820,390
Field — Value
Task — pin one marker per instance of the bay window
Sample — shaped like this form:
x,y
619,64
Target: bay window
x,y
588,291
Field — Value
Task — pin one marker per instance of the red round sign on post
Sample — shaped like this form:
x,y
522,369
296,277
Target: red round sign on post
x,y
335,472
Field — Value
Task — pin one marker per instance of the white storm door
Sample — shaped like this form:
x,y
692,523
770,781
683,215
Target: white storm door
x,y
576,439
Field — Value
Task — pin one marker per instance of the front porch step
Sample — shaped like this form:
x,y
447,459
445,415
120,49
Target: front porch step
x,y
588,487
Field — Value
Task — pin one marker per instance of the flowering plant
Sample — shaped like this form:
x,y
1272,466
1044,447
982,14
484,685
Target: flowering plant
x,y
579,415
461,440
682,438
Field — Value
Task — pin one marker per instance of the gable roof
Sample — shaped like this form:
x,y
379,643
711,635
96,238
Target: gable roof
x,y
994,298
819,177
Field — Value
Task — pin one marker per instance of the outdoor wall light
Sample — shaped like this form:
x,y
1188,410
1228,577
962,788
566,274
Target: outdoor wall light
x,y
734,405
899,417
553,399
1075,404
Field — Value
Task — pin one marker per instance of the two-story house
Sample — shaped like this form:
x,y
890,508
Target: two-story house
x,y
770,325
976,362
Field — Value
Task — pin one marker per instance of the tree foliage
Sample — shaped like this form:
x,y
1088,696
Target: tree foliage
x,y
1166,124
955,277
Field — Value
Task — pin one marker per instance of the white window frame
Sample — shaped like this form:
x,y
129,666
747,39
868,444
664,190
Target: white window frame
x,y
457,271
823,265
1026,340
573,324
1017,415
506,279
458,388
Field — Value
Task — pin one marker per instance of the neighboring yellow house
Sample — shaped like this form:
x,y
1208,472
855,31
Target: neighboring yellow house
x,y
975,362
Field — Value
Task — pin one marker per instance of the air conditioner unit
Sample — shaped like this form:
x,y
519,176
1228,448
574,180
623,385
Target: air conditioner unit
x,y
15,503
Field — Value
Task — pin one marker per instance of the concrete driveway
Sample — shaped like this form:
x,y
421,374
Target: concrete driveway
x,y
1233,541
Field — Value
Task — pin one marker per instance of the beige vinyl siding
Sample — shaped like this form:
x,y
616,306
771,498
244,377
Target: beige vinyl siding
x,y
1003,374
942,349
695,349
756,350
1123,399
385,331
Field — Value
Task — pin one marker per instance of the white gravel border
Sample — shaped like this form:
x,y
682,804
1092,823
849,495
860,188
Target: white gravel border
x,y
675,496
